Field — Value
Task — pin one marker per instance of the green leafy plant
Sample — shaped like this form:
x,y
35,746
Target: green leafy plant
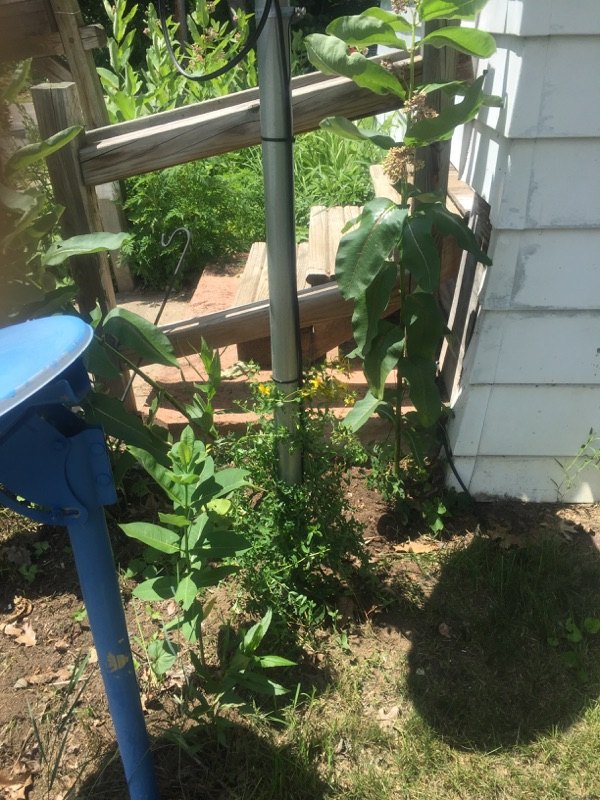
x,y
157,86
29,254
306,551
367,270
190,551
587,456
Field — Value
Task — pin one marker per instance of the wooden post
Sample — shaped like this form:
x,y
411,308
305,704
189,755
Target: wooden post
x,y
91,98
57,107
438,66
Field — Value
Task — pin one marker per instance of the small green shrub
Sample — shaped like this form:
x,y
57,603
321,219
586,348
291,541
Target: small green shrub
x,y
306,551
219,199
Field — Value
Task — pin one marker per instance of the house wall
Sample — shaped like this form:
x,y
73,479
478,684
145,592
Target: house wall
x,y
530,388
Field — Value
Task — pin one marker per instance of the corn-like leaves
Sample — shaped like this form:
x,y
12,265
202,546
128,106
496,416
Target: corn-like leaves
x,y
330,55
420,253
369,307
424,325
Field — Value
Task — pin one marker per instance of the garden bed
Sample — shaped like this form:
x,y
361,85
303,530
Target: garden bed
x,y
465,678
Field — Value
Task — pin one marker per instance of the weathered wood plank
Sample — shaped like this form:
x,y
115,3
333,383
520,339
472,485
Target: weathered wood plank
x,y
320,305
324,234
18,47
208,129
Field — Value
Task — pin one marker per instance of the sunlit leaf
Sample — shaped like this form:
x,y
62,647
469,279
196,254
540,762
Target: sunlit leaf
x,y
31,153
362,411
82,245
420,253
138,335
450,9
363,30
348,130
162,539
466,40
330,55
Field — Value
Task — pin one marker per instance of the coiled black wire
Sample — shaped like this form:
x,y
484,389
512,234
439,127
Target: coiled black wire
x,y
232,62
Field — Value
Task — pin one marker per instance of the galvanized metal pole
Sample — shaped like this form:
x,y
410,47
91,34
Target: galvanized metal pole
x,y
277,147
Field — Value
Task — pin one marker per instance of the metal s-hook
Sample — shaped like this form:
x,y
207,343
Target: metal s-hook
x,y
164,243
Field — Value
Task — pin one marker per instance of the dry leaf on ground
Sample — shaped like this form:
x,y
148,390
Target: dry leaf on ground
x,y
417,547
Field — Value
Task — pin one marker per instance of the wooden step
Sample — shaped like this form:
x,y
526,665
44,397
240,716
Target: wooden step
x,y
324,234
254,281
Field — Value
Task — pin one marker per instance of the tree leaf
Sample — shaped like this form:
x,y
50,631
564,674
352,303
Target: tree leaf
x,y
330,55
140,336
275,661
122,424
397,22
425,326
369,307
450,224
154,589
362,411
366,29
466,40
82,245
450,9
420,253
420,375
363,252
162,539
31,153
440,128
186,591
383,356
348,130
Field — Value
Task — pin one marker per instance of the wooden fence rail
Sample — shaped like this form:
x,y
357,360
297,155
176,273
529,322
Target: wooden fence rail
x,y
218,126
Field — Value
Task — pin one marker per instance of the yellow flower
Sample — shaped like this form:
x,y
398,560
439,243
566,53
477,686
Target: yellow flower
x,y
264,390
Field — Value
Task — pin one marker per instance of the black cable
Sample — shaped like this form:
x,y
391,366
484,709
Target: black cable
x,y
231,63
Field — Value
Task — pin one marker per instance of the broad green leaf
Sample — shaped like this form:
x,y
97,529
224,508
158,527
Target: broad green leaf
x,y
450,224
176,520
230,479
157,469
361,412
98,361
220,506
275,661
386,349
363,30
591,625
31,153
162,655
420,374
161,588
348,130
17,201
162,539
450,9
466,40
420,253
260,684
82,245
218,544
140,336
116,421
254,636
330,55
442,127
364,251
17,82
186,591
369,307
425,326
211,576
397,22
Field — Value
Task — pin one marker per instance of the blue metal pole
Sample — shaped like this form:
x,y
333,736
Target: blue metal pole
x,y
100,589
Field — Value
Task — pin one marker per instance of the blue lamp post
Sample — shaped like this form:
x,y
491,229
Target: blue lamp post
x,y
56,461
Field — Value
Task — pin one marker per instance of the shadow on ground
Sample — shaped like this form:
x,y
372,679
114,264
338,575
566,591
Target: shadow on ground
x,y
503,648
243,766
